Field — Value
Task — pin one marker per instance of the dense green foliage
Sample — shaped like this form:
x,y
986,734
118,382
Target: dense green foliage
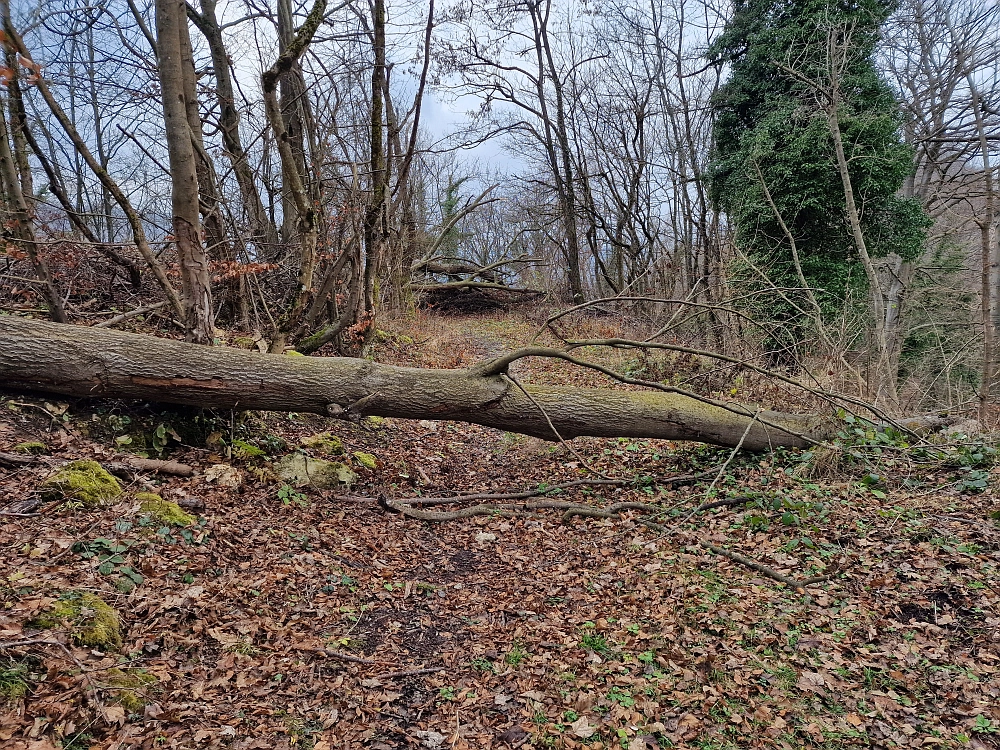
x,y
772,116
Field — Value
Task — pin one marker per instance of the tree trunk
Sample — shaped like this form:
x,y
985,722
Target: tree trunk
x,y
171,38
262,230
375,218
90,362
294,186
292,89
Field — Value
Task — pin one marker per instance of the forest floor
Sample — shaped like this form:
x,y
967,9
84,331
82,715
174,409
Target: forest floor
x,y
297,618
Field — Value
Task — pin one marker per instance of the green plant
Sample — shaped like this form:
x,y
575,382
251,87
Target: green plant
x,y
14,680
447,693
984,725
974,482
109,555
621,696
81,741
288,495
482,664
516,655
774,169
161,437
595,642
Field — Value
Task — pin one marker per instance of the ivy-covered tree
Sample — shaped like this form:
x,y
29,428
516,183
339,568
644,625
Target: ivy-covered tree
x,y
794,65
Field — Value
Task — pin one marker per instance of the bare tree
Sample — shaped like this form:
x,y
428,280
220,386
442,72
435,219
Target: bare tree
x,y
176,71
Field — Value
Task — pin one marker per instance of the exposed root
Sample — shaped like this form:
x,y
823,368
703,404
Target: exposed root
x,y
725,502
678,481
510,511
747,562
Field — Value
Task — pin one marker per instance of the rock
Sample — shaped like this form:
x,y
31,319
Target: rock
x,y
84,481
485,536
300,470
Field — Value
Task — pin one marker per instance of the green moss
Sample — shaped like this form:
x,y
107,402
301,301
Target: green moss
x,y
293,353
244,342
91,621
13,680
324,443
375,422
246,451
366,459
83,481
32,447
164,511
129,686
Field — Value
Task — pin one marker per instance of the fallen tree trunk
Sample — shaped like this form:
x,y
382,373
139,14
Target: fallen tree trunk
x,y
90,362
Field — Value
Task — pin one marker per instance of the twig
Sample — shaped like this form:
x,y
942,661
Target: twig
x,y
28,642
409,673
131,314
733,453
341,656
500,365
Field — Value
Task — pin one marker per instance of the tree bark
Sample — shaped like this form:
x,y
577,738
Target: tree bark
x,y
89,362
375,218
172,57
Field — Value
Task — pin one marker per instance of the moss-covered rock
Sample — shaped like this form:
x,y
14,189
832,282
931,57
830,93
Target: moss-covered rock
x,y
128,687
324,443
375,423
163,511
91,621
300,470
83,481
31,448
366,459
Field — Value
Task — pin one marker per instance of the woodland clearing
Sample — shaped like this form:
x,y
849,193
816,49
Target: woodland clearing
x,y
291,617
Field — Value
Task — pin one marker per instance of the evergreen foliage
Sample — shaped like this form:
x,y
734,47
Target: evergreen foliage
x,y
770,119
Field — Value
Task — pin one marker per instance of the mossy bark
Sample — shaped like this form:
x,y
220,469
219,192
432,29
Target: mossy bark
x,y
88,362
